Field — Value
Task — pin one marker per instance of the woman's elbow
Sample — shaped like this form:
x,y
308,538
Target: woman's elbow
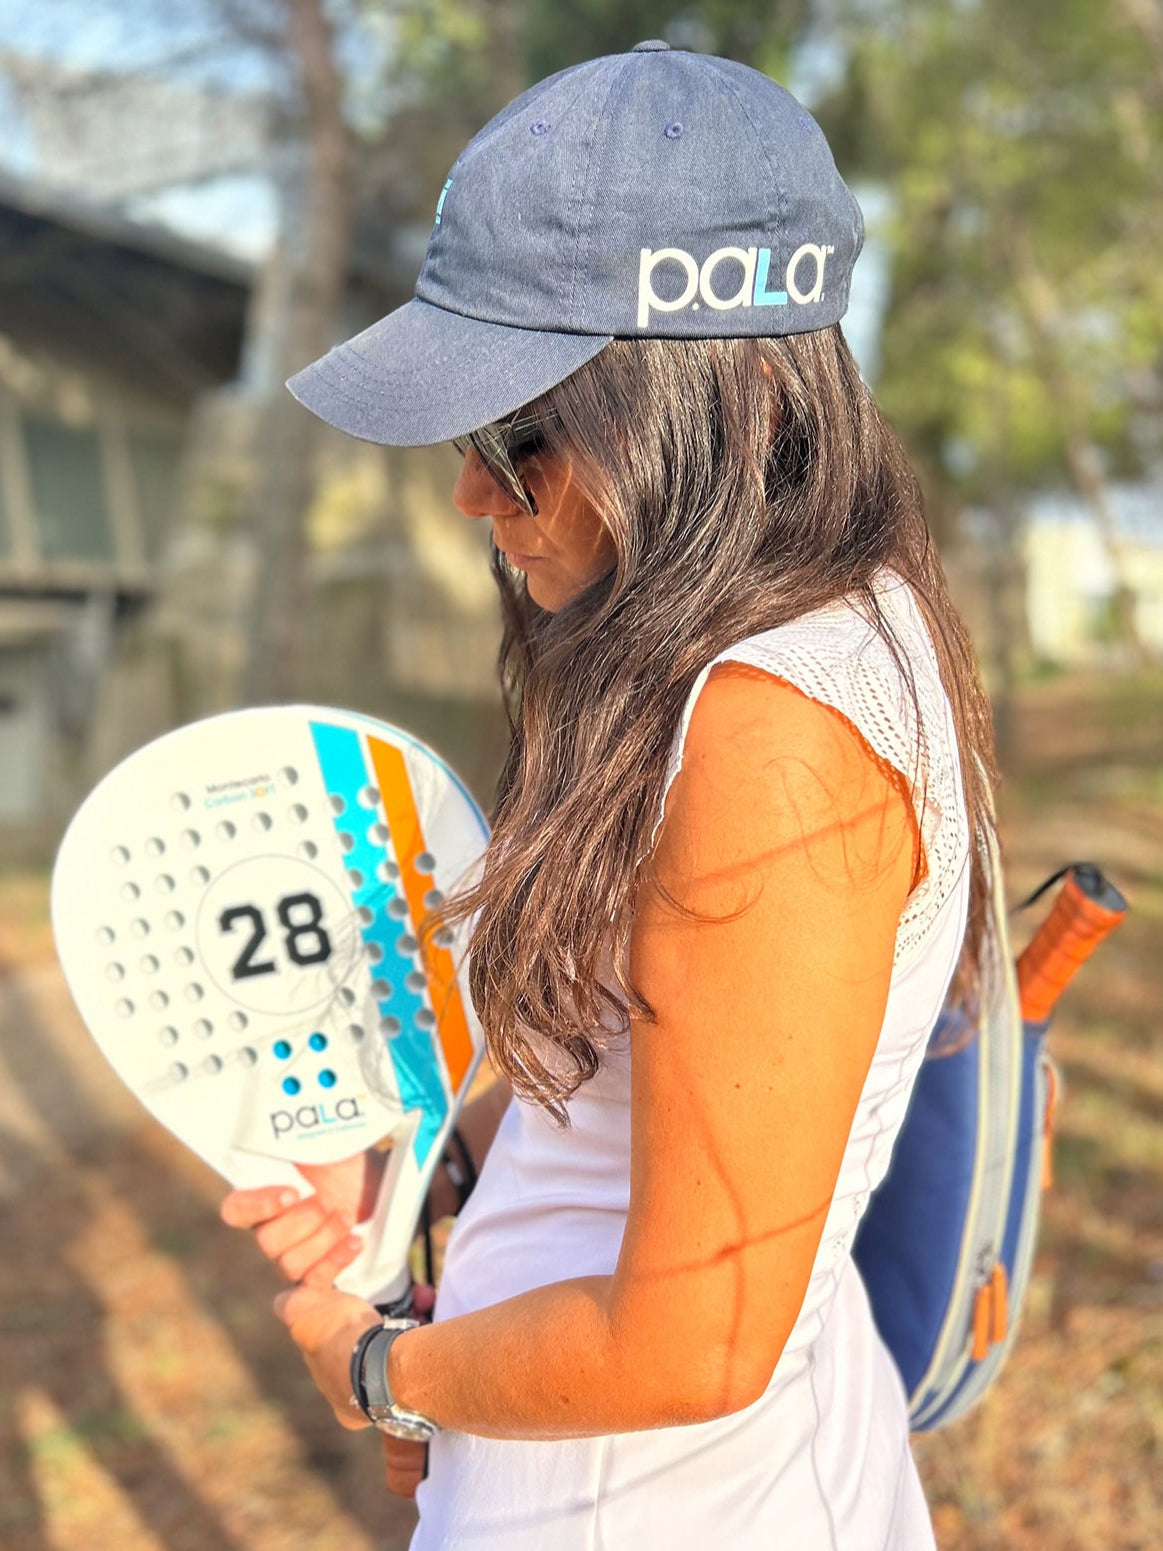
x,y
708,1385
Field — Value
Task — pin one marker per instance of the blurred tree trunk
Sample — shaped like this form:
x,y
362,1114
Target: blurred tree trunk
x,y
1043,310
315,250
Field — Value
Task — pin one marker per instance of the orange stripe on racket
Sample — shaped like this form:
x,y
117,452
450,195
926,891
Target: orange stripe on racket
x,y
408,840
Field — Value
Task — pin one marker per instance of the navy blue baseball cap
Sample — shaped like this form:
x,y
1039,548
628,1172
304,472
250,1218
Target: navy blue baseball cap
x,y
657,194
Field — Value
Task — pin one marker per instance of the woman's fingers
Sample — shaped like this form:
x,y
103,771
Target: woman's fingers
x,y
307,1253
307,1242
248,1208
294,1226
404,1464
324,1271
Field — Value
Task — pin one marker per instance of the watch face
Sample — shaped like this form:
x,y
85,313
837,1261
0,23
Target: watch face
x,y
419,1430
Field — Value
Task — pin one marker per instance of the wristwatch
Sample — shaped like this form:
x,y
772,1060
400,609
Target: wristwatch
x,y
369,1383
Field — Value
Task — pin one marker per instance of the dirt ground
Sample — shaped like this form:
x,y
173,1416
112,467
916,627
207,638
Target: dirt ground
x,y
149,1400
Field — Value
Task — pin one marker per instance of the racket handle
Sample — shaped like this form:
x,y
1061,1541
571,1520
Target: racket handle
x,y
1088,908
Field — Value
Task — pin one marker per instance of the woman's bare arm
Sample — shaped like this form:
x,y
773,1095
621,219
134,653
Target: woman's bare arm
x,y
783,827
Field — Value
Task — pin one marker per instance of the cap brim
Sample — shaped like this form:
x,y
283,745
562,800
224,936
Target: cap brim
x,y
424,374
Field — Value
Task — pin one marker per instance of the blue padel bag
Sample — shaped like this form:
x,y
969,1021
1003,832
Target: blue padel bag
x,y
947,1243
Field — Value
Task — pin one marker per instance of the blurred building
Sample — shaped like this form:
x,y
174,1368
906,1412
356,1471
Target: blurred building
x,y
109,334
1071,584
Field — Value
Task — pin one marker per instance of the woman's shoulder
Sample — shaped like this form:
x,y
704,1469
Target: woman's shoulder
x,y
883,686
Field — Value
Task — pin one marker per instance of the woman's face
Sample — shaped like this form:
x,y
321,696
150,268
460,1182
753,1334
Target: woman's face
x,y
563,549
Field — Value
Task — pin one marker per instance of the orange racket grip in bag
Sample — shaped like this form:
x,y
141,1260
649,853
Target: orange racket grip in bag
x,y
1088,908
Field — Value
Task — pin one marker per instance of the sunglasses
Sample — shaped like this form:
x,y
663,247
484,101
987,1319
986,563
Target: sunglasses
x,y
502,446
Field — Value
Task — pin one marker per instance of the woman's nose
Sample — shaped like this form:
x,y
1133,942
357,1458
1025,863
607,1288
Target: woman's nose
x,y
477,493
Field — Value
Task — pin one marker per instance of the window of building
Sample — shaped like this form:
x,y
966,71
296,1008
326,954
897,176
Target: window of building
x,y
154,459
68,492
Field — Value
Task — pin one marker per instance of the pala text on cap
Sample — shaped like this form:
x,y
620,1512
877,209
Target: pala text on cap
x,y
752,292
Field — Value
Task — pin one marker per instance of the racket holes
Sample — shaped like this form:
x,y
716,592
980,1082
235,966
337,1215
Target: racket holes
x,y
247,1056
327,1078
355,1033
425,1019
390,1027
212,1065
130,891
199,875
237,1020
347,996
191,839
338,805
355,877
194,992
178,1072
184,957
406,944
116,972
433,899
175,920
119,856
290,775
387,872
309,849
375,951
140,928
159,1001
203,1028
155,847
426,862
150,965
381,990
291,1085
124,1008
180,803
444,937
168,1035
261,822
415,981
370,797
379,834
282,1049
366,915
346,841
397,908
318,1042
225,830
297,814
165,884
105,936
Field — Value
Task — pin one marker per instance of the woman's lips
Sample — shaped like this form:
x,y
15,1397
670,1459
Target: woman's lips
x,y
519,560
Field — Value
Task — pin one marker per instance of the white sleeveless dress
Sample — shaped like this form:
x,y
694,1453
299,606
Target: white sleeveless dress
x,y
821,1462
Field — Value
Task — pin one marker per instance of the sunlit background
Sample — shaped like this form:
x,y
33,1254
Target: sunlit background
x,y
196,200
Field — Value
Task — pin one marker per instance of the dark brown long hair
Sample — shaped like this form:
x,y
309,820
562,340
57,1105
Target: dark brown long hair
x,y
744,483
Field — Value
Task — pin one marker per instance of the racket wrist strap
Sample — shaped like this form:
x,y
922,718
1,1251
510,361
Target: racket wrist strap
x,y
459,1167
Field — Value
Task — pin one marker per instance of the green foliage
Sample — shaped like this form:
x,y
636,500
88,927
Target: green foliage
x,y
1021,142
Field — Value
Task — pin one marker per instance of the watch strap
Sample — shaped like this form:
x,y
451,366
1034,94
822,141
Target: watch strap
x,y
369,1382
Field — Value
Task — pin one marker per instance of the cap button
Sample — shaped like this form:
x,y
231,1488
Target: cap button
x,y
651,46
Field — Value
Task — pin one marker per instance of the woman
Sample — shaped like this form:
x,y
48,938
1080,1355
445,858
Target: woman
x,y
730,880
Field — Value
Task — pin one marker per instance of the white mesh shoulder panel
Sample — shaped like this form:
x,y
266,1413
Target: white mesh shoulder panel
x,y
834,655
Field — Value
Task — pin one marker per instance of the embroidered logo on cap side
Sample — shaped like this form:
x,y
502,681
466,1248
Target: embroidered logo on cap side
x,y
755,266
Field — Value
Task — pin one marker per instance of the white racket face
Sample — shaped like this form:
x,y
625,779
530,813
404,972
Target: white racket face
x,y
235,908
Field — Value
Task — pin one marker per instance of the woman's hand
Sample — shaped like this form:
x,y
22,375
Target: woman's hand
x,y
325,1325
310,1239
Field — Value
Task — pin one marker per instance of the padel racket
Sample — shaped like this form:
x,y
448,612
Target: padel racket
x,y
235,909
